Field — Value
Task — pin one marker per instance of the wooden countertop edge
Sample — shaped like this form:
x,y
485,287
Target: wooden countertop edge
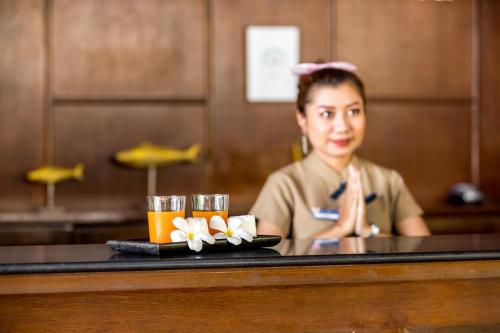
x,y
246,277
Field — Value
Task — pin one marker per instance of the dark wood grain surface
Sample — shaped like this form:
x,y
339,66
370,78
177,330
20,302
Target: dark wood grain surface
x,y
489,94
408,49
22,101
428,173
81,80
445,296
250,140
93,134
293,299
129,49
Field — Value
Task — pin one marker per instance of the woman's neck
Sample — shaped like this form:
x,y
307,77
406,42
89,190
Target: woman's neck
x,y
337,163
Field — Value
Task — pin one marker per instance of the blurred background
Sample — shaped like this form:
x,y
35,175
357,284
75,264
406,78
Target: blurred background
x,y
81,80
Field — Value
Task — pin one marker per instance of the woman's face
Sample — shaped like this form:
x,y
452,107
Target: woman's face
x,y
334,120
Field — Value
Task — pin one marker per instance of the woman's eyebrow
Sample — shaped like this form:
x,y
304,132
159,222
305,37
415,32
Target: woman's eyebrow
x,y
352,104
321,106
324,106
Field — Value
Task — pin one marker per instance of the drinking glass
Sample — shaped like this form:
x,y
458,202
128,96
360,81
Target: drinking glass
x,y
208,205
162,210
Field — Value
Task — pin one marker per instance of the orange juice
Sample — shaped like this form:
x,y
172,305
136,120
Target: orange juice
x,y
160,225
208,215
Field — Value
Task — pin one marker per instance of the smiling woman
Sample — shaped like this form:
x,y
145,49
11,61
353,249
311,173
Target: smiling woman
x,y
332,192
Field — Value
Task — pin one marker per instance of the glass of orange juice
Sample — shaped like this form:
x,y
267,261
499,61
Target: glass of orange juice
x,y
208,205
162,210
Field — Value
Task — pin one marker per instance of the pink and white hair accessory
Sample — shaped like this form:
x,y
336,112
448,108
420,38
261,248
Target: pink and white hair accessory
x,y
310,67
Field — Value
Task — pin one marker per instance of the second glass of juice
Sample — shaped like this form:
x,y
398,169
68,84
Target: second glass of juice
x,y
208,205
162,210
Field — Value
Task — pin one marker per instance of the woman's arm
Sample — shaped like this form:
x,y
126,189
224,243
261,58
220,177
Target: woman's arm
x,y
412,226
336,231
267,228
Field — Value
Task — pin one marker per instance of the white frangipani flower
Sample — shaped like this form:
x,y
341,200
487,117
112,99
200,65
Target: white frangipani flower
x,y
233,231
192,230
248,224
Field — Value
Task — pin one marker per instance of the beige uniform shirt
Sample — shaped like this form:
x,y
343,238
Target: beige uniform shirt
x,y
289,194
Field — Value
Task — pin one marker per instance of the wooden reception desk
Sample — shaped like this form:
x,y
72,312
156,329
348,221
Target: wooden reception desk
x,y
399,284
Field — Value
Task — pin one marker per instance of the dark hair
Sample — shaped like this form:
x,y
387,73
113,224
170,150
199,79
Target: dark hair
x,y
326,77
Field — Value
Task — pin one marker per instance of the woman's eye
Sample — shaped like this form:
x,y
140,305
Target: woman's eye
x,y
353,112
326,114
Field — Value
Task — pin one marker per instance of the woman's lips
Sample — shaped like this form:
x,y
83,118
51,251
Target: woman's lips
x,y
341,142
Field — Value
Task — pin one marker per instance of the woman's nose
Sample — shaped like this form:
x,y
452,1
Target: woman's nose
x,y
340,122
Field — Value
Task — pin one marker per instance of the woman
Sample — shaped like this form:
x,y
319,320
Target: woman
x,y
332,193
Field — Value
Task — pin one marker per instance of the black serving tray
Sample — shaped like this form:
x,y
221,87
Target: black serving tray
x,y
143,246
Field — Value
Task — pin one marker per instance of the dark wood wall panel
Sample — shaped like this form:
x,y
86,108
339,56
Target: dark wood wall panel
x,y
128,48
490,98
173,72
93,134
22,69
408,48
251,140
428,144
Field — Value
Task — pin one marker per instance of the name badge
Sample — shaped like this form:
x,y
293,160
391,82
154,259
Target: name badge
x,y
325,214
320,244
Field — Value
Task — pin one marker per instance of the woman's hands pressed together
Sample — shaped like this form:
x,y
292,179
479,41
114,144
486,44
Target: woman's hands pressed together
x,y
352,210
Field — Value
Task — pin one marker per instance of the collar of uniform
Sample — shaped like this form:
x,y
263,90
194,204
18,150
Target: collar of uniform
x,y
314,161
332,178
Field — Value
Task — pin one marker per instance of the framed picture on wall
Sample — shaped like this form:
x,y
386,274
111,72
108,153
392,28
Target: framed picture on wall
x,y
270,53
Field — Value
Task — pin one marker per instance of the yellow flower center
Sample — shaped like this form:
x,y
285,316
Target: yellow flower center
x,y
190,235
229,233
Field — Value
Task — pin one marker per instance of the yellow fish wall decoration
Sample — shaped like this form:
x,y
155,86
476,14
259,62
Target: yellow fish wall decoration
x,y
147,155
53,174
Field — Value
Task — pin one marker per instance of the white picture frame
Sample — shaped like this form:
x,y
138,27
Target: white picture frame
x,y
271,51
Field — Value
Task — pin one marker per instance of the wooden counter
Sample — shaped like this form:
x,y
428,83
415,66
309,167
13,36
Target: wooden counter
x,y
400,284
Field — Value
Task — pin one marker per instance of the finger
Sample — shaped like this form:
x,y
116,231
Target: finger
x,y
350,167
349,182
358,227
359,184
360,207
352,170
354,181
360,217
360,192
348,198
360,220
349,193
353,176
350,205
352,216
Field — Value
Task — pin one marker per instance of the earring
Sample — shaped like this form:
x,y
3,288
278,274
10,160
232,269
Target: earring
x,y
304,145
